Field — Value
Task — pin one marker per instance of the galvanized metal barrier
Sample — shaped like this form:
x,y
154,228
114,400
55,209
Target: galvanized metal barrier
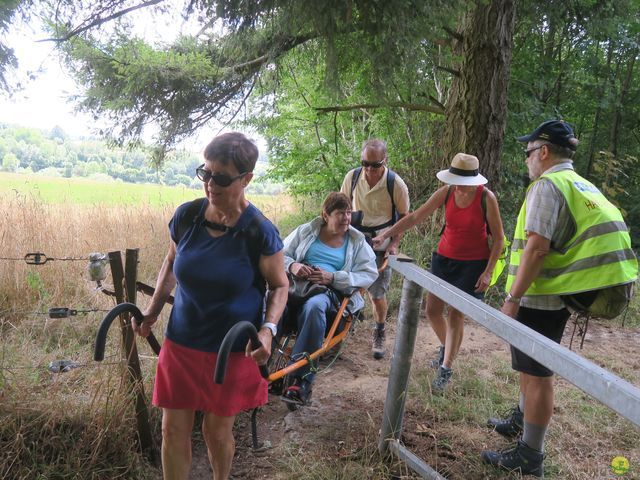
x,y
614,392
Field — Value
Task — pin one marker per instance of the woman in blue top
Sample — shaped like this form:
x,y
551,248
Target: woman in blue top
x,y
222,253
327,251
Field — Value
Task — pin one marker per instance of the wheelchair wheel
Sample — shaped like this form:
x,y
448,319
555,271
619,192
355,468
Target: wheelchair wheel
x,y
280,355
291,406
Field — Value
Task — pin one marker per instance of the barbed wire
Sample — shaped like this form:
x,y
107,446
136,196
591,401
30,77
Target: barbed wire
x,y
55,312
39,258
65,366
63,369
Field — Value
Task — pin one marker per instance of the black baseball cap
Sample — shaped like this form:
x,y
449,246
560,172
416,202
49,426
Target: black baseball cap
x,y
557,132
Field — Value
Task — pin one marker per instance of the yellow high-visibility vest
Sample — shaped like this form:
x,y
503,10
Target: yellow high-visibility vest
x,y
598,255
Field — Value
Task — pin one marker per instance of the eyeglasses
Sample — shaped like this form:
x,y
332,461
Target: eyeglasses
x,y
220,179
527,153
366,164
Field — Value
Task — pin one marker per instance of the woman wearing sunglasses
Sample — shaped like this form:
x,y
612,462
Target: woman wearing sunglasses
x,y
220,259
465,258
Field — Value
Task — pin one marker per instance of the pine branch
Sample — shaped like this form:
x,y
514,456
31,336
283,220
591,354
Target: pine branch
x,y
100,20
371,106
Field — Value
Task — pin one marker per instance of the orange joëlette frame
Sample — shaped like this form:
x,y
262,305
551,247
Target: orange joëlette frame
x,y
330,341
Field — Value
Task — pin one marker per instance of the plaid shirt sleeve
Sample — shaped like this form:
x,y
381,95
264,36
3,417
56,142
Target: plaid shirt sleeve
x,y
548,215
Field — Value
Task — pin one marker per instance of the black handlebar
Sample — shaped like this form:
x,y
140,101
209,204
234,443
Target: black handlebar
x,y
101,336
225,349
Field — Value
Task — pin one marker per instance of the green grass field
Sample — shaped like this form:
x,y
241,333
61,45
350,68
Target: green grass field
x,y
83,191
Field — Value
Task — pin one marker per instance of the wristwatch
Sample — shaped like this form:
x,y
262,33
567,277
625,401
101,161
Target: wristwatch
x,y
271,326
510,298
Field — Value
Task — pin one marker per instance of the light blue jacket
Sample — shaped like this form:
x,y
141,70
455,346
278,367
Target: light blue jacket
x,y
359,270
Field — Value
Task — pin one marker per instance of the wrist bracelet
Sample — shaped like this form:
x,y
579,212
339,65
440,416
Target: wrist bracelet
x,y
510,298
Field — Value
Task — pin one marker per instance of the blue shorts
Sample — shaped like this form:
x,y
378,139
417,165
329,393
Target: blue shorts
x,y
463,274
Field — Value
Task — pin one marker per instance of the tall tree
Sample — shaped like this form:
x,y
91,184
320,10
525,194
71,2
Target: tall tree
x,y
196,79
477,107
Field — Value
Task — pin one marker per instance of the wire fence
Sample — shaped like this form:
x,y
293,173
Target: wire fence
x,y
96,267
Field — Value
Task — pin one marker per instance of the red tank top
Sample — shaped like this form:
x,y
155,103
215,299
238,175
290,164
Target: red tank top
x,y
465,232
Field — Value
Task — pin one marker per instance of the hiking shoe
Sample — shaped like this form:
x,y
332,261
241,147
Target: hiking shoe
x,y
378,349
511,426
436,362
520,457
442,380
298,394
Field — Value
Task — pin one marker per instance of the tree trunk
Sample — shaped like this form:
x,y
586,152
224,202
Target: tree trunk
x,y
597,117
617,115
477,108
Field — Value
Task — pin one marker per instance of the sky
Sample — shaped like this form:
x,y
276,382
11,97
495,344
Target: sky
x,y
44,102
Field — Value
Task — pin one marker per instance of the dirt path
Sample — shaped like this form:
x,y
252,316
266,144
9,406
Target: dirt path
x,y
348,399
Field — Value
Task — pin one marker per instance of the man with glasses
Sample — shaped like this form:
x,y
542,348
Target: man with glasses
x,y
565,229
379,198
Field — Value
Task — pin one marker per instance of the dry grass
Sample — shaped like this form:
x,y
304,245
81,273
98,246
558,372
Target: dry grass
x,y
77,424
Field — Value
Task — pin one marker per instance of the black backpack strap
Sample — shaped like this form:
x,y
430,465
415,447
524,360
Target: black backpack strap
x,y
354,180
444,205
483,204
190,217
254,238
391,182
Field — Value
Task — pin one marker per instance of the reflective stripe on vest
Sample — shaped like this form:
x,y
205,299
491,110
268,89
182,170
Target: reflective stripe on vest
x,y
598,255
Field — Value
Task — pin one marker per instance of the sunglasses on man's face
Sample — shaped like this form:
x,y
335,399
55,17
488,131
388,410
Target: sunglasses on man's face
x,y
366,164
527,153
220,179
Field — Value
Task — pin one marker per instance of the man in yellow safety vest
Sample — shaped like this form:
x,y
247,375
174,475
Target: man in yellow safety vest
x,y
569,240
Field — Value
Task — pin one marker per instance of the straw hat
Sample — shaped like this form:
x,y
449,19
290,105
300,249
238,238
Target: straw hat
x,y
463,171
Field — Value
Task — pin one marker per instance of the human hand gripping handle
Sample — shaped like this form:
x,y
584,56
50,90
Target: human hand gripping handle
x,y
225,349
101,336
260,354
143,326
379,240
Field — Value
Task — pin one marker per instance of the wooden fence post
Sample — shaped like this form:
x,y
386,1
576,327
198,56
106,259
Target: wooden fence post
x,y
124,285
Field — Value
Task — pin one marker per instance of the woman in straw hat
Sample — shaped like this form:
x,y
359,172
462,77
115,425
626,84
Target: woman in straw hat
x,y
464,257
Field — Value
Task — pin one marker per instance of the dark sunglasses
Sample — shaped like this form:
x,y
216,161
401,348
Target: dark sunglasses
x,y
366,164
220,179
528,153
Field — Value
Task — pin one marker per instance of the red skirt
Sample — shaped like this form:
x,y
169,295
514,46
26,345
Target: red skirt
x,y
184,381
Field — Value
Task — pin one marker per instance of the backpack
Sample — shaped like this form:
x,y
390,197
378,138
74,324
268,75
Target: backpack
x,y
607,302
502,259
251,233
356,217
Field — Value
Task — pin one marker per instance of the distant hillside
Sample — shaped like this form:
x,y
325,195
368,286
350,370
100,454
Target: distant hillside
x,y
55,154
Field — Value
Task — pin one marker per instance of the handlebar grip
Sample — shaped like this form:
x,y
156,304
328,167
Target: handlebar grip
x,y
101,336
226,345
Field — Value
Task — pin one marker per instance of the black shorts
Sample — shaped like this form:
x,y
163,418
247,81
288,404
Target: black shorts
x,y
463,274
549,323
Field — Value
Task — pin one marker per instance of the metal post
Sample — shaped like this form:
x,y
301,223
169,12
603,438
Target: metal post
x,y
400,364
